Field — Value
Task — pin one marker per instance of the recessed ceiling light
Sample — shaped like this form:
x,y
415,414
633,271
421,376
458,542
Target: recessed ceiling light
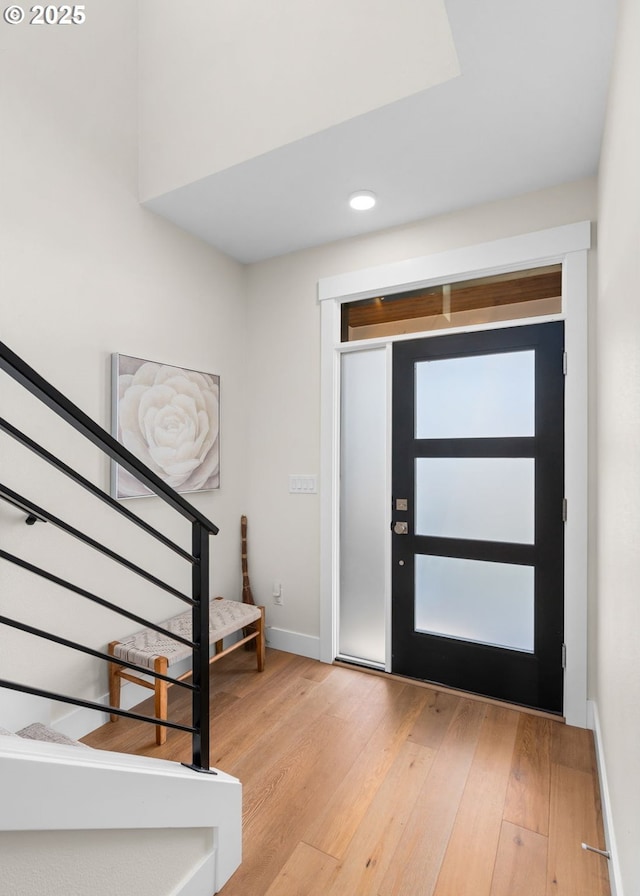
x,y
362,200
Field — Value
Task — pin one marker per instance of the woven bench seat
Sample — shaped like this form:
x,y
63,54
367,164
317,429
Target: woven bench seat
x,y
158,652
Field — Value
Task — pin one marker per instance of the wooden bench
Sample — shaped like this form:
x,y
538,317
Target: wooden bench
x,y
159,652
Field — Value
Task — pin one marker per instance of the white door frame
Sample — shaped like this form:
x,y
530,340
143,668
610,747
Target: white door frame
x,y
567,245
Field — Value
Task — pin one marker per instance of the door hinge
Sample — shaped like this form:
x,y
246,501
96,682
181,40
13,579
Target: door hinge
x,y
564,363
564,656
565,512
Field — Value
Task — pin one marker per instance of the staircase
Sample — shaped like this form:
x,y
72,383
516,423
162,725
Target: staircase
x,y
159,828
96,804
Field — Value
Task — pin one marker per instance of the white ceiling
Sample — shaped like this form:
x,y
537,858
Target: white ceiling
x,y
526,113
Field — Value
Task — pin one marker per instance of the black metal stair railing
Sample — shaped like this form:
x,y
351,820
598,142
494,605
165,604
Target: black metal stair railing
x,y
201,529
88,486
43,515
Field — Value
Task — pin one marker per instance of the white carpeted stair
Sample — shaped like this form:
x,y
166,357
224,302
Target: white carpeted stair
x,y
38,731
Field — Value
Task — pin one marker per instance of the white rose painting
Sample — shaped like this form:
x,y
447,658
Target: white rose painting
x,y
169,418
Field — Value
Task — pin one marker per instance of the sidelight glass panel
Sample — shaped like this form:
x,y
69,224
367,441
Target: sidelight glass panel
x,y
486,498
364,513
474,600
479,396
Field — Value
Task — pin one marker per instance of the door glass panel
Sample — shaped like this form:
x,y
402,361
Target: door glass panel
x,y
486,498
479,396
474,600
364,529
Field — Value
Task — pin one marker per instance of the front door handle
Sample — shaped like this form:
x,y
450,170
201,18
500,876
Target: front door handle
x,y
401,528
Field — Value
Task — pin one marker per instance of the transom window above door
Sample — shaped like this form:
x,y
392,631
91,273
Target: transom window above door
x,y
513,296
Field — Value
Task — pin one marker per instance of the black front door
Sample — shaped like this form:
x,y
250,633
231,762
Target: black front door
x,y
478,483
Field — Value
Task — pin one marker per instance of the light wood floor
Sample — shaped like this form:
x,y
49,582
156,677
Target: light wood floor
x,y
360,785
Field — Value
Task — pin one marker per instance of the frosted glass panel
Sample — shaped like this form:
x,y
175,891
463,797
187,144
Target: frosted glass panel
x,y
364,513
487,498
481,396
473,600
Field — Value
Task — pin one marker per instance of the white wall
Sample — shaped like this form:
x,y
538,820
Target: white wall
x,y
284,370
86,272
618,325
222,83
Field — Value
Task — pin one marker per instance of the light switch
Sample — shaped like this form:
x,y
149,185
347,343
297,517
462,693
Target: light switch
x,y
303,484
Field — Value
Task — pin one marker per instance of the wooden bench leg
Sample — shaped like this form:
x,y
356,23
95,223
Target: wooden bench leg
x,y
114,682
260,640
161,694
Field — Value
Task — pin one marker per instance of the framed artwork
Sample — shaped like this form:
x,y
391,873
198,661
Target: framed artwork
x,y
169,417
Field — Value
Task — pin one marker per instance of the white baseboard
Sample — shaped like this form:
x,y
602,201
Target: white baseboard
x,y
82,721
293,642
615,877
21,709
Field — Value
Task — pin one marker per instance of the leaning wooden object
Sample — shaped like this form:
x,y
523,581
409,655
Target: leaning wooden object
x,y
159,652
247,596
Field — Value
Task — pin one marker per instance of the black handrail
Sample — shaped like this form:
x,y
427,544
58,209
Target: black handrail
x,y
20,371
199,558
88,486
7,494
16,501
